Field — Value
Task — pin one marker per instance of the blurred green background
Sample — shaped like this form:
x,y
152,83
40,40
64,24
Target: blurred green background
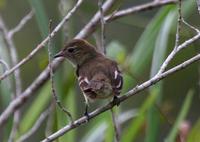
x,y
139,43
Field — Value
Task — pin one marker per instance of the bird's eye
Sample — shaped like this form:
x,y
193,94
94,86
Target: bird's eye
x,y
71,50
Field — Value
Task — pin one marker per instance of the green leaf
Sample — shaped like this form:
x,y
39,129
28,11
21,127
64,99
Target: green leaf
x,y
98,128
2,3
115,50
70,104
36,108
110,131
130,133
194,133
5,85
162,43
181,116
41,16
143,50
158,58
96,133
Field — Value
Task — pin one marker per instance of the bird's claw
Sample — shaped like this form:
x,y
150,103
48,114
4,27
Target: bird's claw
x,y
86,114
116,101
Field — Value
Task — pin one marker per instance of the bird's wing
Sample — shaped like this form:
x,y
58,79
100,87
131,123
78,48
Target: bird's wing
x,y
84,84
117,79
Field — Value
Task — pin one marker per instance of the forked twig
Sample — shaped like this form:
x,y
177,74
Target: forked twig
x,y
21,24
115,125
102,21
58,102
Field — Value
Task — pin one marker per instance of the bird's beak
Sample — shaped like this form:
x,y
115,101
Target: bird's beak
x,y
59,54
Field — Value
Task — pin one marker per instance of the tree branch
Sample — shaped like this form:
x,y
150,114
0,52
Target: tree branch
x,y
135,9
198,5
122,98
21,24
8,36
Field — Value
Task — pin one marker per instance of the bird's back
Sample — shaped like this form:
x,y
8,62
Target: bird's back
x,y
100,78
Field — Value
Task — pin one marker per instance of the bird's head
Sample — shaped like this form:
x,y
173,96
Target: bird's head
x,y
78,51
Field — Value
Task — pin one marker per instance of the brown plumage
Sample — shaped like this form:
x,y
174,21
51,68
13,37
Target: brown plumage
x,y
98,76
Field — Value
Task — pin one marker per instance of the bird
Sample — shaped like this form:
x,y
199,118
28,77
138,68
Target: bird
x,y
98,76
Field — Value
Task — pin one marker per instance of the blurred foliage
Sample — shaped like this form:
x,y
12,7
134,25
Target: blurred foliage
x,y
139,43
181,116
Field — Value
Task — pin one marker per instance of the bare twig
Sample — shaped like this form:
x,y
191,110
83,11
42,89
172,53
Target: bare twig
x,y
58,102
21,24
92,24
135,9
178,30
190,26
4,64
174,52
100,3
14,58
35,127
49,122
178,47
122,98
198,5
13,54
44,42
16,120
116,126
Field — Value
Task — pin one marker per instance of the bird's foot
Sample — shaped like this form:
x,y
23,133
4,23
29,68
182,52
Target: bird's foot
x,y
116,100
86,114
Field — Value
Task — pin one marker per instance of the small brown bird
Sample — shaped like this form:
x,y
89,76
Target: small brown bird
x,y
98,76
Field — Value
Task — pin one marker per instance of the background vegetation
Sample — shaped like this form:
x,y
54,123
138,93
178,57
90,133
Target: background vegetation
x,y
139,43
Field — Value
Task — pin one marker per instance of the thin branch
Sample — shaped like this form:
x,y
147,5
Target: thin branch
x,y
100,3
178,47
16,121
178,30
49,122
116,126
174,52
4,64
135,9
13,54
21,24
17,79
44,42
122,98
198,5
35,127
190,26
93,23
53,90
